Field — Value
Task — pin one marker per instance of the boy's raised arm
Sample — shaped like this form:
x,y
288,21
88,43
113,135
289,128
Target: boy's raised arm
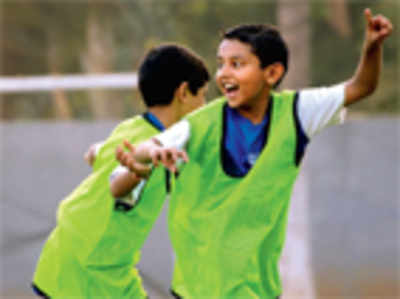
x,y
366,77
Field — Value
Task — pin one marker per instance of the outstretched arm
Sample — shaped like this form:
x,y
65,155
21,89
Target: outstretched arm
x,y
153,152
123,183
137,159
136,162
123,180
366,77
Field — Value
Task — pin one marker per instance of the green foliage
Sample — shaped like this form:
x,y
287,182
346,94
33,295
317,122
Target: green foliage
x,y
29,28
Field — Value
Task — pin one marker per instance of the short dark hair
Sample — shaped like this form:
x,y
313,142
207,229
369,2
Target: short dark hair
x,y
265,41
164,68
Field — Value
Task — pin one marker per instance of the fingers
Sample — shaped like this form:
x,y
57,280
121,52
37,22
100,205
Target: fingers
x,y
378,24
373,22
118,153
160,155
385,25
368,15
129,146
382,26
141,170
169,157
126,159
184,156
174,157
121,156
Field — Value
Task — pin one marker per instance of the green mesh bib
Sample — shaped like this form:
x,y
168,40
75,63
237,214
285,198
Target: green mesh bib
x,y
228,232
92,251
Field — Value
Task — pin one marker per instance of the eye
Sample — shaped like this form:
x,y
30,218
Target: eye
x,y
237,64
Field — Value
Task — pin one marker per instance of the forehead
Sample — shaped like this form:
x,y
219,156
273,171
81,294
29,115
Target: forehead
x,y
230,48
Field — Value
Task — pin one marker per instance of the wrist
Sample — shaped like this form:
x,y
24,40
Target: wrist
x,y
372,47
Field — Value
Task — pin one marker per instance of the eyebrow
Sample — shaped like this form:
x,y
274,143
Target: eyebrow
x,y
233,57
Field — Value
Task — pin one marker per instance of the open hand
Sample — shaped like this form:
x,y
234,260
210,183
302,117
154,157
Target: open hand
x,y
169,157
127,159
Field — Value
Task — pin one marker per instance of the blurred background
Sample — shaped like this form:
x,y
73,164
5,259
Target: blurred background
x,y
348,195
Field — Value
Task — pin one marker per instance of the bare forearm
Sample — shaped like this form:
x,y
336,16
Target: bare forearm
x,y
124,183
366,77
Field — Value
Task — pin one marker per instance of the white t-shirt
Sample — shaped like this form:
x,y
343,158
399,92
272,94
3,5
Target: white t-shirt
x,y
318,108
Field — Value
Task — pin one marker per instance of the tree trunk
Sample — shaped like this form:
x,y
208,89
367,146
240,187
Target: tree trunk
x,y
295,266
61,105
99,59
293,18
338,17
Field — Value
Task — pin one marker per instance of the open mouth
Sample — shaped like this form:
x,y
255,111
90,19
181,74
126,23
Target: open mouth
x,y
230,88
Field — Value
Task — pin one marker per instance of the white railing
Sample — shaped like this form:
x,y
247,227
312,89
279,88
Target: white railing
x,y
67,82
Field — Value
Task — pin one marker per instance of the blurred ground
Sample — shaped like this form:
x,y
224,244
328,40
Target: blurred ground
x,y
352,174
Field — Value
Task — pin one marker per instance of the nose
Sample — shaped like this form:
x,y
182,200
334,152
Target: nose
x,y
222,72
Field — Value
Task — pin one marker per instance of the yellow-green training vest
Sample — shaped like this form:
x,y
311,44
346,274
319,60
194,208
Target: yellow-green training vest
x,y
228,232
93,249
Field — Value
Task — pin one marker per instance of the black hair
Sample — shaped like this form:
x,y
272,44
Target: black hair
x,y
265,41
164,68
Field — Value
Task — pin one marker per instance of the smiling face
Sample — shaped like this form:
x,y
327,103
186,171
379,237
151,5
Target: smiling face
x,y
240,76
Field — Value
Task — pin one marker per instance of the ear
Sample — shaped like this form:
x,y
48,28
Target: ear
x,y
181,91
273,73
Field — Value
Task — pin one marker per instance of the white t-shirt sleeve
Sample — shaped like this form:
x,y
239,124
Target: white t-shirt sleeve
x,y
177,136
319,108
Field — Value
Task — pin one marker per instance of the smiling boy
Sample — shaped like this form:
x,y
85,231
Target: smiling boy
x,y
229,208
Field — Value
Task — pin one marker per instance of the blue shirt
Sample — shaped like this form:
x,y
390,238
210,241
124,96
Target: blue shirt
x,y
244,141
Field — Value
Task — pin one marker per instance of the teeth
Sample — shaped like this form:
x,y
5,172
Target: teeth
x,y
229,85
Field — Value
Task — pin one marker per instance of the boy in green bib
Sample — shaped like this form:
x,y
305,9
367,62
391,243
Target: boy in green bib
x,y
95,246
229,208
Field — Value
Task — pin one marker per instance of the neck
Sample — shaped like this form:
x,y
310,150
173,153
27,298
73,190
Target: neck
x,y
165,114
255,111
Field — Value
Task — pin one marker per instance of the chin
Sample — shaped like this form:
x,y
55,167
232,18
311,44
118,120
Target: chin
x,y
232,101
235,103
